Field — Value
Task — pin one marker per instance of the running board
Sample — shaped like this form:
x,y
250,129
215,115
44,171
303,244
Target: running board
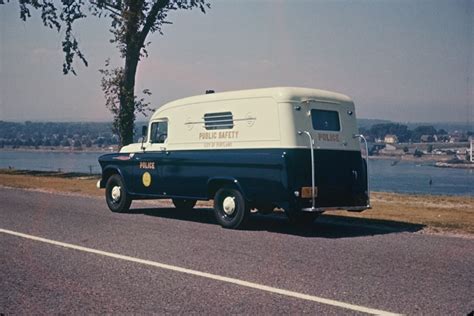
x,y
335,208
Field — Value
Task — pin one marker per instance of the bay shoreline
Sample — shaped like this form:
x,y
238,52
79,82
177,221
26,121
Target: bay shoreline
x,y
435,160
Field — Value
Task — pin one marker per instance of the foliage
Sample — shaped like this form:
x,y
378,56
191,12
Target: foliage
x,y
423,130
380,130
418,153
403,133
442,131
56,134
111,83
130,23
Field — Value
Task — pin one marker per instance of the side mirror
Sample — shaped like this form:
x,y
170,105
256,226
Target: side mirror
x,y
144,133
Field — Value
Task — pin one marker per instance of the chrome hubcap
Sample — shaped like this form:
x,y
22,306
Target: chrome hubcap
x,y
116,193
229,205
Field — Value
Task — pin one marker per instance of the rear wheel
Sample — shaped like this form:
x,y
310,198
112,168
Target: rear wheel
x,y
183,204
230,208
116,196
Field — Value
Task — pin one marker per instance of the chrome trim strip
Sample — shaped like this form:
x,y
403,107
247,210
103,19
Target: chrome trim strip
x,y
313,182
229,120
360,136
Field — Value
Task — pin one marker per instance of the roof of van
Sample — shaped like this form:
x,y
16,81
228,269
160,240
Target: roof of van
x,y
280,94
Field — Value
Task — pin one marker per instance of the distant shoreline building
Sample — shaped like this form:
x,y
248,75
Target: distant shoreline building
x,y
391,139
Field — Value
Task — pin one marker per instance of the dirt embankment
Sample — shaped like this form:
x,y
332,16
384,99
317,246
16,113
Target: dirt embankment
x,y
454,214
438,213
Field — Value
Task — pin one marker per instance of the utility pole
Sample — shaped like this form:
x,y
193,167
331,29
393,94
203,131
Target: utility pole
x,y
471,148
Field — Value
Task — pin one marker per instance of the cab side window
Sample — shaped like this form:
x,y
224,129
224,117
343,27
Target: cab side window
x,y
159,132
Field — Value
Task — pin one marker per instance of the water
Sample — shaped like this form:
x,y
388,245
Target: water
x,y
404,177
51,161
414,177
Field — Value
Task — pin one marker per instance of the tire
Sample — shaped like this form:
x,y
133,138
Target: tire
x,y
184,204
116,196
230,208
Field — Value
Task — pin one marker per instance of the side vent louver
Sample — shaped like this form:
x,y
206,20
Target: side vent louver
x,y
221,120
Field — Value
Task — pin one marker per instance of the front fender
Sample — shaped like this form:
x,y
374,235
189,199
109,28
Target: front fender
x,y
109,171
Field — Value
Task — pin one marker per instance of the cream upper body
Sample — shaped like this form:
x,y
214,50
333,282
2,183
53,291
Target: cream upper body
x,y
258,118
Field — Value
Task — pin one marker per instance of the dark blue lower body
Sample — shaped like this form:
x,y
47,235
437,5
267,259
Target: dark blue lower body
x,y
264,176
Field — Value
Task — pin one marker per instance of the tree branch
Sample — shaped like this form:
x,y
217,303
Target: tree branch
x,y
150,20
115,10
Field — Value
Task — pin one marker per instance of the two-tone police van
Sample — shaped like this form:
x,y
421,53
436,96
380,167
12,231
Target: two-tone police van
x,y
296,149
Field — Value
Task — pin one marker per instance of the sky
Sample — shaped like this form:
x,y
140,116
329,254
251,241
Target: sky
x,y
407,61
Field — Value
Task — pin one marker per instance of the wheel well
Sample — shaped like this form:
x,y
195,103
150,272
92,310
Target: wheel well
x,y
215,185
107,174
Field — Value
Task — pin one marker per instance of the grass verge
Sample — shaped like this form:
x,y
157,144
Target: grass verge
x,y
454,214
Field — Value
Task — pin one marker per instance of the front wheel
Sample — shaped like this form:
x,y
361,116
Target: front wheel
x,y
184,204
230,208
116,196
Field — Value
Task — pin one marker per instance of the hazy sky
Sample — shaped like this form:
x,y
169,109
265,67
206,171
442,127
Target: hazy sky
x,y
399,60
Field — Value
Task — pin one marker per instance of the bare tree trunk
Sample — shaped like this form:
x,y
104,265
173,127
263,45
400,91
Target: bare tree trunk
x,y
134,40
127,100
132,56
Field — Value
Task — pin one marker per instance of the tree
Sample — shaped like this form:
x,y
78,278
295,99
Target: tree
x,y
88,143
131,23
77,144
442,132
400,130
66,143
418,153
423,130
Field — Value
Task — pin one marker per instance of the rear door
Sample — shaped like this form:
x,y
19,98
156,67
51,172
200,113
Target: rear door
x,y
340,175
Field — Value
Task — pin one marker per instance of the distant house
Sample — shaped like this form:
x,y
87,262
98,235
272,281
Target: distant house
x,y
458,138
391,139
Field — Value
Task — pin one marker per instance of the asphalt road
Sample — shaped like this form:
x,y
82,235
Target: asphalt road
x,y
391,270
